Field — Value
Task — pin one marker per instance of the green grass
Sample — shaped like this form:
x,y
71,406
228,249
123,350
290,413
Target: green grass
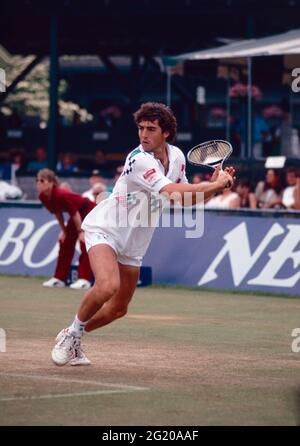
x,y
204,357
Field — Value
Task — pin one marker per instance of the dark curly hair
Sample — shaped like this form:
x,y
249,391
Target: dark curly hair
x,y
150,111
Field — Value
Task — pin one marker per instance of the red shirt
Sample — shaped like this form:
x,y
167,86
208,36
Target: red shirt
x,y
63,200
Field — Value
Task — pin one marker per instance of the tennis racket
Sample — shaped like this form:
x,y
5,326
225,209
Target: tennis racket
x,y
210,154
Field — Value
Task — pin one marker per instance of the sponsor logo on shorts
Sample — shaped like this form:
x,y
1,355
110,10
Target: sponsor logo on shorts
x,y
101,236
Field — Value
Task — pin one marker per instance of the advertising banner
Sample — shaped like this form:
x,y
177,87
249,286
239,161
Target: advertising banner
x,y
238,251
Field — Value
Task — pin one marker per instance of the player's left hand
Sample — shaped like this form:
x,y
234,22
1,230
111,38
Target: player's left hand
x,y
231,171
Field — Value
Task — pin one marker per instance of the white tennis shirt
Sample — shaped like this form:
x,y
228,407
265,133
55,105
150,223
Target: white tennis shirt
x,y
130,214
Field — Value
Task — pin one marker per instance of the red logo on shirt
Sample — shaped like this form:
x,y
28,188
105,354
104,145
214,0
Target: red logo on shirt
x,y
149,173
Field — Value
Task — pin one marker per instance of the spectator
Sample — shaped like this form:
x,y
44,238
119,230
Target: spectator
x,y
17,158
297,194
268,192
98,185
260,134
66,185
247,197
197,178
17,164
67,164
288,138
5,169
226,200
100,162
9,191
40,161
288,199
99,194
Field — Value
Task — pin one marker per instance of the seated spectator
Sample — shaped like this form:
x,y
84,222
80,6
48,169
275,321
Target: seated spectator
x,y
67,164
66,185
9,192
18,165
98,185
247,197
268,192
226,200
100,162
197,178
288,199
40,161
297,194
99,194
17,158
5,169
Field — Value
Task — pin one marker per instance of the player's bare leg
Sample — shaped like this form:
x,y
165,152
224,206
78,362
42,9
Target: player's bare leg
x,y
116,307
105,267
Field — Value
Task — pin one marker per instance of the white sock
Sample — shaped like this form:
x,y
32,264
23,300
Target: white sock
x,y
77,327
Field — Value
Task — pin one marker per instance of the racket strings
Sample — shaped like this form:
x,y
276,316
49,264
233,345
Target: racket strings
x,y
211,152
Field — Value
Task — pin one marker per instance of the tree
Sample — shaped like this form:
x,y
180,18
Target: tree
x,y
31,95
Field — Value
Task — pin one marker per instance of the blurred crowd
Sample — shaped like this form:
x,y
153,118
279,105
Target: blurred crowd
x,y
280,189
16,161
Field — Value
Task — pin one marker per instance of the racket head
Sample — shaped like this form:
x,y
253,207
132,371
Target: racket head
x,y
210,153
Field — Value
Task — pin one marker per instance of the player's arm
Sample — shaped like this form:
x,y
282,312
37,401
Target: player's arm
x,y
208,189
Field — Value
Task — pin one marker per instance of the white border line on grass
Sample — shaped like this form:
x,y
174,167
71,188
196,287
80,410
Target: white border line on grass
x,y
120,388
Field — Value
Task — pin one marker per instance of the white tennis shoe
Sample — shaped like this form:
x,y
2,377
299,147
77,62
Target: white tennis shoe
x,y
54,283
79,358
81,284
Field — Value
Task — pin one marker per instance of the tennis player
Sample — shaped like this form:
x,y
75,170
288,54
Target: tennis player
x,y
115,249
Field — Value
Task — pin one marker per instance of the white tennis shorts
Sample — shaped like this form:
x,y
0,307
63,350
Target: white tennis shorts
x,y
101,238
